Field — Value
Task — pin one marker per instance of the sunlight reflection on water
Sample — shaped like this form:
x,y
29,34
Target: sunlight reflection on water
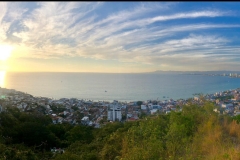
x,y
2,78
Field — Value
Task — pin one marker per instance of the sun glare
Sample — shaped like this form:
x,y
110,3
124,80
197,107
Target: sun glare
x,y
5,52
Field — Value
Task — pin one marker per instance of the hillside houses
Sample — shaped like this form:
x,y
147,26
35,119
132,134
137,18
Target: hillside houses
x,y
95,113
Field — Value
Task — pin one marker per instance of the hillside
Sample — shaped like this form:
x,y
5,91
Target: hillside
x,y
195,133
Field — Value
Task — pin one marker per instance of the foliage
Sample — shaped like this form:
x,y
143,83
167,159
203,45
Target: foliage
x,y
75,108
237,118
80,133
139,103
57,108
194,133
222,98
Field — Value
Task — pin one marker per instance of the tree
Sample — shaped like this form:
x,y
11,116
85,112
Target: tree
x,y
139,103
237,118
74,108
80,133
142,115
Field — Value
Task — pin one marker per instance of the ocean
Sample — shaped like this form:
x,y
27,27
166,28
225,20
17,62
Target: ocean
x,y
110,86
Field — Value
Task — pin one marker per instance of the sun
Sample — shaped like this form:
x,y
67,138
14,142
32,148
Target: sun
x,y
5,52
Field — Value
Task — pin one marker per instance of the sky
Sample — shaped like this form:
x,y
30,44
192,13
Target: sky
x,y
119,37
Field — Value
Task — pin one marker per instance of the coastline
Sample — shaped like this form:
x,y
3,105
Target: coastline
x,y
5,92
94,113
122,87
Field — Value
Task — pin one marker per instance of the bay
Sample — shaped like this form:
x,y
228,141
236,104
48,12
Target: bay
x,y
113,86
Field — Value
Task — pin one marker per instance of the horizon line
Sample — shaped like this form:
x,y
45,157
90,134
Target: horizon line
x,y
117,72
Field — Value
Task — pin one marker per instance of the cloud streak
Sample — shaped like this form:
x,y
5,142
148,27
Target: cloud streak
x,y
148,34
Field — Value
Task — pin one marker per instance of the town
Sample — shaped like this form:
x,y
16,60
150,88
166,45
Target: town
x,y
231,75
96,114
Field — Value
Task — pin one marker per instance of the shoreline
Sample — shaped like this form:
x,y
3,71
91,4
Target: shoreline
x,y
123,88
9,91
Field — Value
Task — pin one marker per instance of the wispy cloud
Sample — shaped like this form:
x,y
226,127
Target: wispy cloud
x,y
146,33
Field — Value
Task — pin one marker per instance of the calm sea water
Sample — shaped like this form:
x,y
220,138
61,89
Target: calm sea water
x,y
122,87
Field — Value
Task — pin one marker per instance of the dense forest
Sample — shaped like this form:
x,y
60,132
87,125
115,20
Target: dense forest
x,y
194,133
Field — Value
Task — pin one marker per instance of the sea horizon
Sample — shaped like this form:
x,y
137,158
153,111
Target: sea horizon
x,y
156,71
112,86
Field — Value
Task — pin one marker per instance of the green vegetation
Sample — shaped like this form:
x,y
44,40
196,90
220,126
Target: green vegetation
x,y
222,98
57,108
195,133
139,103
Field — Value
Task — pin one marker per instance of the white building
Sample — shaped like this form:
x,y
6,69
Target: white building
x,y
227,105
85,120
153,111
114,112
143,107
196,98
1,109
152,106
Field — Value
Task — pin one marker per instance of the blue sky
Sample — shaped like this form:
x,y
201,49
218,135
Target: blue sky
x,y
121,36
